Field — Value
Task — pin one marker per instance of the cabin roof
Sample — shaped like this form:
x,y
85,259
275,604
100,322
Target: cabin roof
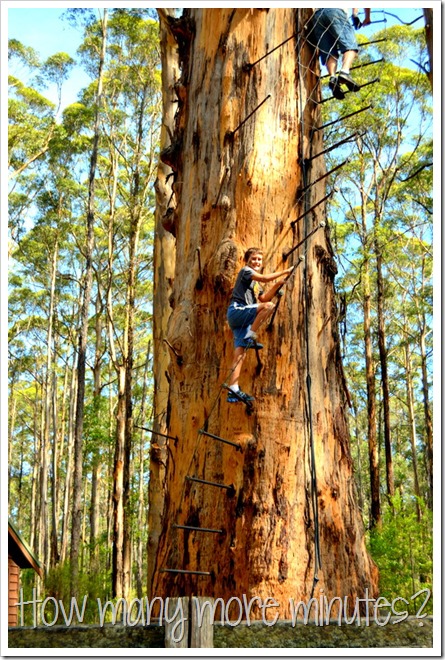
x,y
20,552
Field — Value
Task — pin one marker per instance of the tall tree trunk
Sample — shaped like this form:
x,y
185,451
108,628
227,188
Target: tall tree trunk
x,y
124,429
43,536
373,450
142,511
33,537
67,493
383,357
427,413
96,461
47,421
118,485
55,475
116,529
51,407
83,333
412,421
428,422
58,457
164,257
292,480
357,436
11,427
128,446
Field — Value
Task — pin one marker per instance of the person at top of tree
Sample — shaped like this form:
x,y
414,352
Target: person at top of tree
x,y
245,314
331,32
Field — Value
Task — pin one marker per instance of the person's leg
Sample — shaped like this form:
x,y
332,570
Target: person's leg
x,y
348,58
239,318
264,310
347,45
331,65
239,356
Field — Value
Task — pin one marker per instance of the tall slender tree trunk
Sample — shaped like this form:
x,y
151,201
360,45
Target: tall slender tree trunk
x,y
57,490
428,421
143,462
54,559
43,537
96,466
123,515
67,493
128,446
383,357
427,414
288,516
412,423
46,453
373,450
33,537
118,485
11,427
357,435
83,333
51,407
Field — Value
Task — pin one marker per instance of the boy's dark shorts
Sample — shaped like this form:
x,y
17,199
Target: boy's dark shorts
x,y
332,33
240,318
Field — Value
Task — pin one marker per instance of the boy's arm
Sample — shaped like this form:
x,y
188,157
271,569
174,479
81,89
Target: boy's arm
x,y
269,277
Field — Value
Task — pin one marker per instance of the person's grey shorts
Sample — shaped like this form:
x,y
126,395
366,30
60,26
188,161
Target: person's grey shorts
x,y
240,318
332,33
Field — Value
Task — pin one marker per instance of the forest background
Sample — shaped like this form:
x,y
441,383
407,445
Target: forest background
x,y
381,225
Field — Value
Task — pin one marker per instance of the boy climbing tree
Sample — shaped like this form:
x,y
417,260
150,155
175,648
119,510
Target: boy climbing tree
x,y
245,315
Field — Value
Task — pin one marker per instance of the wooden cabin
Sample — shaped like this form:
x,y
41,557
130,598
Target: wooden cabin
x,y
19,556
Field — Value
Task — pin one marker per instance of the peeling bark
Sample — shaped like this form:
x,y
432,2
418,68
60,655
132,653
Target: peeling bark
x,y
164,258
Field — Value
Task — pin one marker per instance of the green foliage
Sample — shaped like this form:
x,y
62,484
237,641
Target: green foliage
x,y
93,584
97,425
403,551
25,54
50,164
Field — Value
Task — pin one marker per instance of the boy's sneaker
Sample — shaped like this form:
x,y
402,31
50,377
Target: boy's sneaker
x,y
239,397
345,79
336,89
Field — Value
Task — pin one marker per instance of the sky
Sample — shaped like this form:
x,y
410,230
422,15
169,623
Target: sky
x,y
48,33
43,28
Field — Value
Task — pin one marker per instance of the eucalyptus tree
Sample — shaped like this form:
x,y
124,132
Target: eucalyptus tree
x,y
35,280
96,36
391,145
256,520
32,117
132,109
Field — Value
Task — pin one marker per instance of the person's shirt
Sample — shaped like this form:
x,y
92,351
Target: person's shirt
x,y
244,289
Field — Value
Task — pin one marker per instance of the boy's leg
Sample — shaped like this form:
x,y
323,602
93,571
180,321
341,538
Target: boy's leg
x,y
348,58
331,65
239,356
344,77
264,310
